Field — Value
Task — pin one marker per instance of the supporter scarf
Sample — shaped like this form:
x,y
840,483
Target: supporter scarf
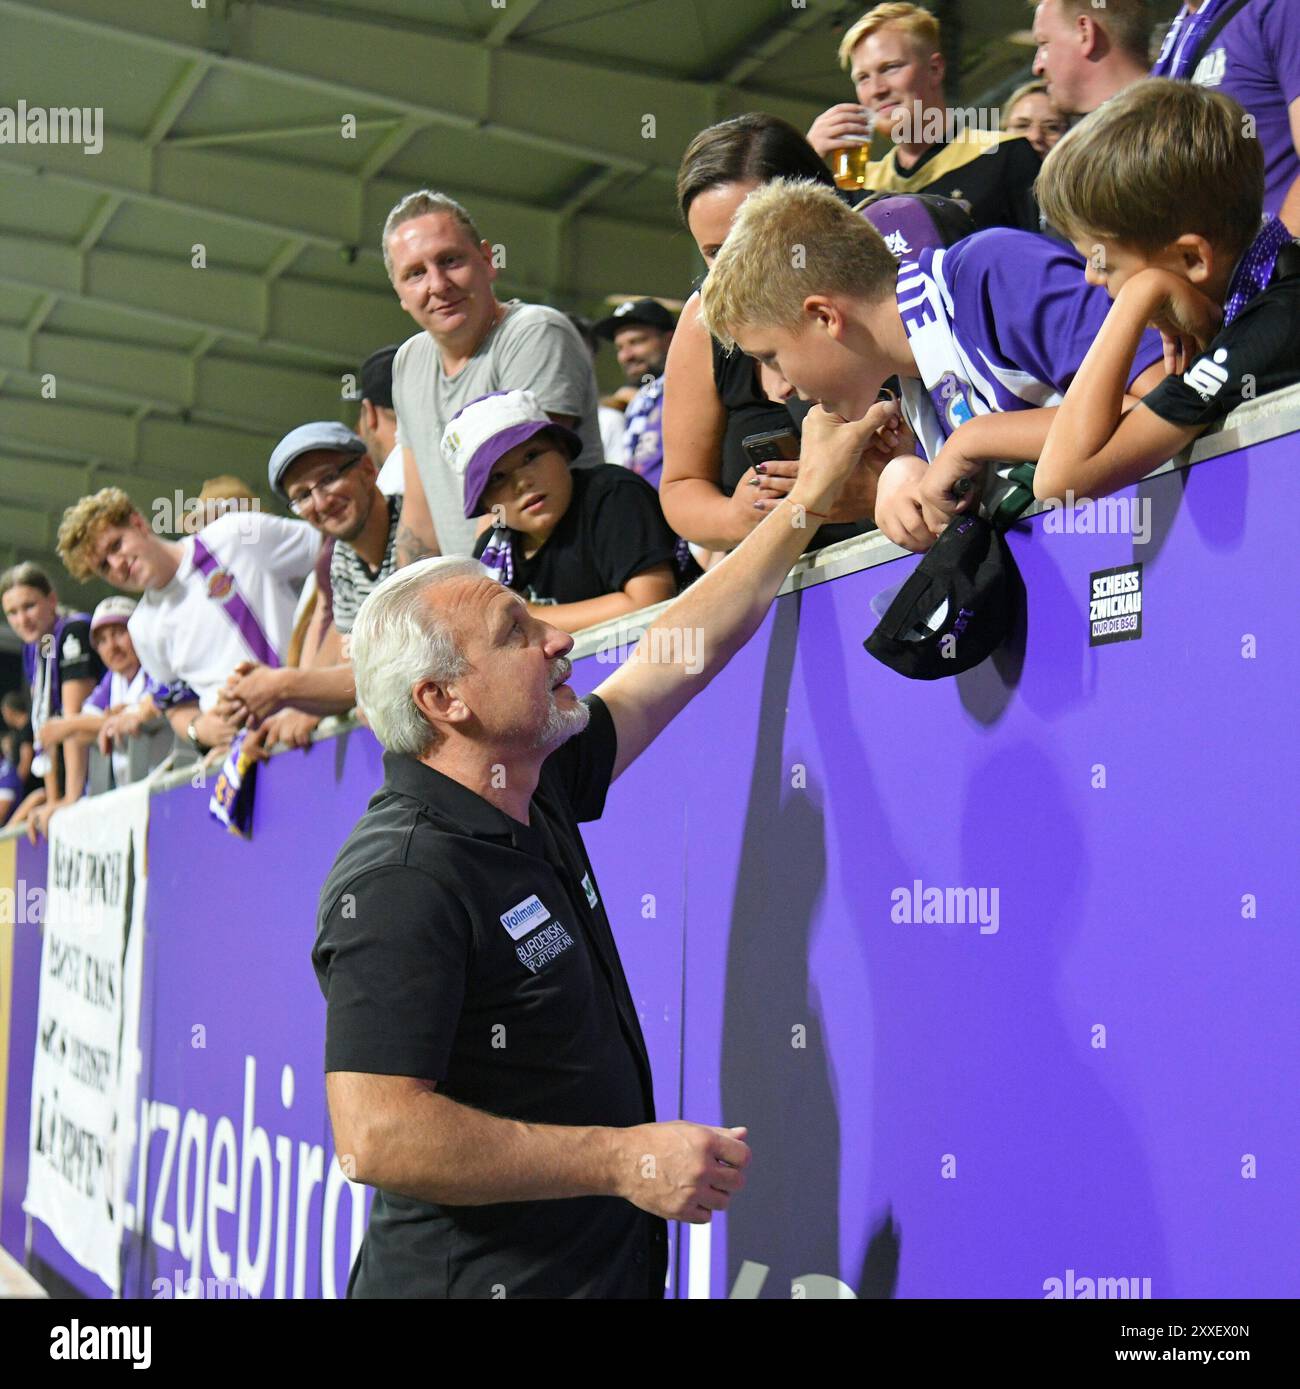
x,y
499,554
232,796
1255,269
1179,50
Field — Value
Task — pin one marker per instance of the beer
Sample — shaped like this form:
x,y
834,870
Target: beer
x,y
849,166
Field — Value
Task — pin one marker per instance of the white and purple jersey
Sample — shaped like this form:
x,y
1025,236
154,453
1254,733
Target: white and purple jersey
x,y
113,690
1253,58
1000,321
232,599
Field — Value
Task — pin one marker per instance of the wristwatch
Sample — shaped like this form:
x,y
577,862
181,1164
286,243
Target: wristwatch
x,y
193,735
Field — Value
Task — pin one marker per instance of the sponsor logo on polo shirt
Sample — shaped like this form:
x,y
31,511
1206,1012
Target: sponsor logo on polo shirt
x,y
221,584
1115,605
590,889
524,916
548,944
72,648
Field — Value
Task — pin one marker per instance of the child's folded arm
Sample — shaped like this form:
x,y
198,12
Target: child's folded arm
x,y
1093,447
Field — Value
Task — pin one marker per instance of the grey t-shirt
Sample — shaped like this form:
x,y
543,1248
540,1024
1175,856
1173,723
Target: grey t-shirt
x,y
533,348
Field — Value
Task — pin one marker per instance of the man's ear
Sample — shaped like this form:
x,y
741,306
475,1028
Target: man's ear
x,y
367,416
485,250
441,706
1088,33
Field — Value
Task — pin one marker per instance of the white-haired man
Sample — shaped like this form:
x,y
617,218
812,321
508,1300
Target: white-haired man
x,y
484,1064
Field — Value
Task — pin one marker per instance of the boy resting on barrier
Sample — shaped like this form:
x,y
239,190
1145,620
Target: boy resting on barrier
x,y
985,336
1162,191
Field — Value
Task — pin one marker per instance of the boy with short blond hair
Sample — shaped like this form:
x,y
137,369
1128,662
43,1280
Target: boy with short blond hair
x,y
1162,191
982,335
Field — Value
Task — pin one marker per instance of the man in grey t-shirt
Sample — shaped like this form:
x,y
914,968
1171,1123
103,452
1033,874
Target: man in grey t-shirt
x,y
470,345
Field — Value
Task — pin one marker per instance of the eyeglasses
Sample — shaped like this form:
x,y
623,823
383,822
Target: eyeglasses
x,y
306,502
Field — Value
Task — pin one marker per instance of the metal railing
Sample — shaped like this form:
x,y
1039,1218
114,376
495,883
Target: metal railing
x,y
1269,417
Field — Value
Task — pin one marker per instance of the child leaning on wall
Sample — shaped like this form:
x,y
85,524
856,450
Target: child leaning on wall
x,y
1161,191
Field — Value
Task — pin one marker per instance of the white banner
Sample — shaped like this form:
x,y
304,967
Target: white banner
x,y
88,1029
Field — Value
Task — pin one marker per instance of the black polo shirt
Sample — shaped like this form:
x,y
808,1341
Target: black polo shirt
x,y
457,945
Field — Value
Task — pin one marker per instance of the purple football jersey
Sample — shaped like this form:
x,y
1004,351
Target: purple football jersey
x,y
1255,59
1000,321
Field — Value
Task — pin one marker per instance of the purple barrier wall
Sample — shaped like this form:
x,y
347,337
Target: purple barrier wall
x,y
932,1111
240,1180
1076,1082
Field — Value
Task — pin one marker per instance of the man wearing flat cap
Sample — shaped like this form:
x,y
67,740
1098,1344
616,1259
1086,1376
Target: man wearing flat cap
x,y
325,475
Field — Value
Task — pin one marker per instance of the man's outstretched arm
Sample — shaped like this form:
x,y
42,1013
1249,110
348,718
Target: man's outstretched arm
x,y
719,613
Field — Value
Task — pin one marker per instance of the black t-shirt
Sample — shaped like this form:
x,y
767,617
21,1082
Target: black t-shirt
x,y
457,945
612,531
78,659
1259,351
998,184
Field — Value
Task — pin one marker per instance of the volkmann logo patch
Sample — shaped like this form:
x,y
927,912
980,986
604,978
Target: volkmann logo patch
x,y
1115,605
524,916
590,889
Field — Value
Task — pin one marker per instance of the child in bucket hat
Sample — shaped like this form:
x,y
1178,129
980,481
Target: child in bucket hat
x,y
583,544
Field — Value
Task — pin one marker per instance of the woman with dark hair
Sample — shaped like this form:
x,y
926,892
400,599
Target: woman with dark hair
x,y
713,399
62,668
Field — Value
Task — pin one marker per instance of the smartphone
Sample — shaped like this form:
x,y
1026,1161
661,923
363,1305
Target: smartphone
x,y
766,448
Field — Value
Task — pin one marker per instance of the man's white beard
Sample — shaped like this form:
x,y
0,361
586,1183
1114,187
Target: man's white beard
x,y
561,724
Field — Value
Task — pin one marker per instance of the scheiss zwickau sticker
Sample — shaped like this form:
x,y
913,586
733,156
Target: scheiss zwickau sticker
x,y
1115,605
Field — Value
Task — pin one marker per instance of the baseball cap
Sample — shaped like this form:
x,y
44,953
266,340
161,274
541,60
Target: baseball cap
x,y
118,608
649,312
915,222
320,434
377,377
480,433
961,602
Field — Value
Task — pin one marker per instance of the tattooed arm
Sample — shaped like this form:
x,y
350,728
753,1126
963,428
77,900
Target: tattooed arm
x,y
416,537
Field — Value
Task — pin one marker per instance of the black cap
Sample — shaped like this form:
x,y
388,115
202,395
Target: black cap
x,y
649,312
971,570
377,377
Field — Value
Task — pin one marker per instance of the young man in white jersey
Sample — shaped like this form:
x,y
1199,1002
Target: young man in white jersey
x,y
207,603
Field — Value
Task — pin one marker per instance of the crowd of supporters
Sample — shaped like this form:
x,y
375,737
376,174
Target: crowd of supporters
x,y
1083,285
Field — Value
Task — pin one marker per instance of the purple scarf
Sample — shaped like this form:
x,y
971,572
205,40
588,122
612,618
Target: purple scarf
x,y
1180,48
1255,269
499,554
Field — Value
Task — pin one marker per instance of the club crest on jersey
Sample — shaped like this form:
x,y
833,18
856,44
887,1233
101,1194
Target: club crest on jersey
x,y
956,409
221,584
